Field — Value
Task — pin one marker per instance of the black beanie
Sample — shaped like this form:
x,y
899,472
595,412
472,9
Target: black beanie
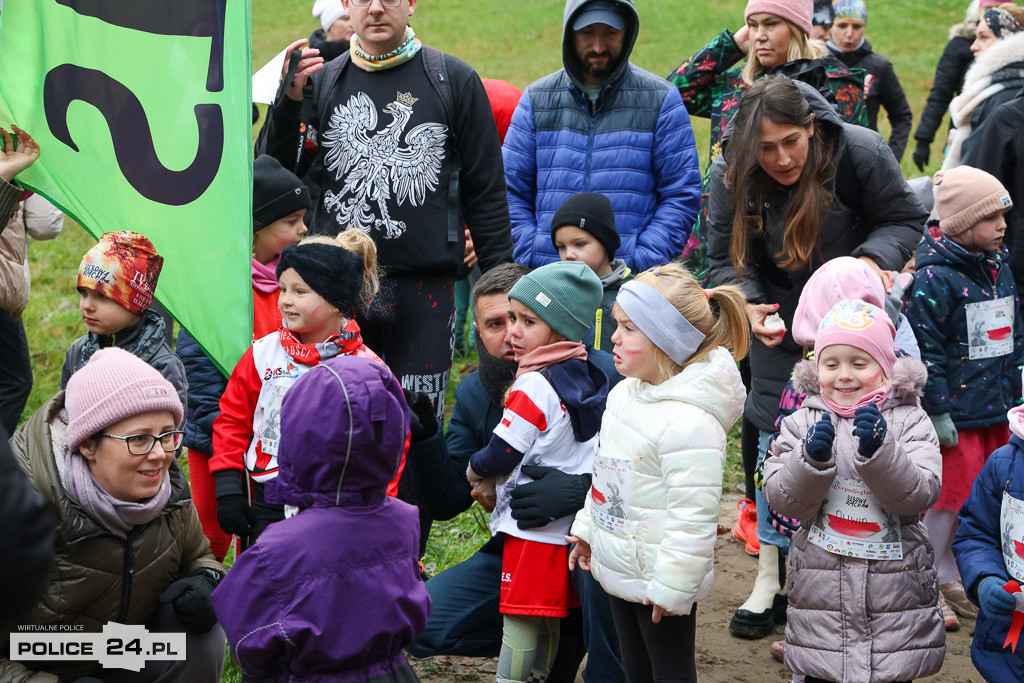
x,y
591,212
276,192
334,272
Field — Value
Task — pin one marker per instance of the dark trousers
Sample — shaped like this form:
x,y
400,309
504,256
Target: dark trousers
x,y
655,653
15,371
410,324
464,620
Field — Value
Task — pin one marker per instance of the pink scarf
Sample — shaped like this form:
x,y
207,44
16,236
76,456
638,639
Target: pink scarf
x,y
549,354
878,396
264,277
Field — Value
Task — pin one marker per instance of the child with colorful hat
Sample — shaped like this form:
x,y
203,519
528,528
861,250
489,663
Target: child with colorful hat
x,y
552,416
965,313
857,465
116,281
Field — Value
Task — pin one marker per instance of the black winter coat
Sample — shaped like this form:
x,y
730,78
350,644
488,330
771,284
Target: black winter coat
x,y
1000,151
875,213
956,59
885,91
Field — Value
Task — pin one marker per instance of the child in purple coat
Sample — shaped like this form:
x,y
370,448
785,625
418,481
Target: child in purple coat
x,y
333,593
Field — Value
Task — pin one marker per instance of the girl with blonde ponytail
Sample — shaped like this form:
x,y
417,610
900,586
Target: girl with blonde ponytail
x,y
658,467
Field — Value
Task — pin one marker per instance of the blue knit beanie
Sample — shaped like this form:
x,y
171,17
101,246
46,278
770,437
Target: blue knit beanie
x,y
564,294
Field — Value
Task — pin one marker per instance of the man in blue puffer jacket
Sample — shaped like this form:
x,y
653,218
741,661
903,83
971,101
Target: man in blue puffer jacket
x,y
601,124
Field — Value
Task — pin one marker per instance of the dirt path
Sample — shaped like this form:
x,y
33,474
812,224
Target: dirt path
x,y
721,658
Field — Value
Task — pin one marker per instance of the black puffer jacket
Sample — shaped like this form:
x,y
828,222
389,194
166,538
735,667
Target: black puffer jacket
x,y
956,59
875,214
1000,151
885,91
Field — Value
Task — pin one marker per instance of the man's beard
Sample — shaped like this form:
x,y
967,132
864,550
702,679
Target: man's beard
x,y
603,72
496,374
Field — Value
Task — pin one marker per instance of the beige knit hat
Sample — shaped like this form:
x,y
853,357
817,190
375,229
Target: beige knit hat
x,y
964,196
113,385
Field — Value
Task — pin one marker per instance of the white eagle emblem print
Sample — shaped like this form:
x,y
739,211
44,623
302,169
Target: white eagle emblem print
x,y
374,165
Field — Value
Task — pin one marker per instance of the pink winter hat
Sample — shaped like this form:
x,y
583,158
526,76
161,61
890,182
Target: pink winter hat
x,y
113,385
841,278
796,12
862,326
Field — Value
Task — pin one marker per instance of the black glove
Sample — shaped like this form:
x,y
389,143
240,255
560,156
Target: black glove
x,y
869,427
234,514
191,598
820,436
551,494
921,154
422,419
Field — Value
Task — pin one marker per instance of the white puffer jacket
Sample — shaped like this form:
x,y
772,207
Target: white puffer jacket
x,y
652,514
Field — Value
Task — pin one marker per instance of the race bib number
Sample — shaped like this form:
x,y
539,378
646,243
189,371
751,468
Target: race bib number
x,y
990,328
609,493
1011,531
851,522
270,428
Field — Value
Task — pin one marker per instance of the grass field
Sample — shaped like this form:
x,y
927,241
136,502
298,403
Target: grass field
x,y
518,42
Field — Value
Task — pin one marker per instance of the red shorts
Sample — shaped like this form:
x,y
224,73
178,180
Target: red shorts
x,y
535,579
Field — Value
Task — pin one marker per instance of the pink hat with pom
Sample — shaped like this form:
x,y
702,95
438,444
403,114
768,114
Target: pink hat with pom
x,y
862,326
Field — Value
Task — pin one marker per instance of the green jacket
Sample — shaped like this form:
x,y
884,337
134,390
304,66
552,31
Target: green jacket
x,y
97,576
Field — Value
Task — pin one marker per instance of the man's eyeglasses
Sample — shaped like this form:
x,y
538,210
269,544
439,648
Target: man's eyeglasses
x,y
367,3
142,444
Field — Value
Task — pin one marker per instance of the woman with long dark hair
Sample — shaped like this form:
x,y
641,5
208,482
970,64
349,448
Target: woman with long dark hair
x,y
795,187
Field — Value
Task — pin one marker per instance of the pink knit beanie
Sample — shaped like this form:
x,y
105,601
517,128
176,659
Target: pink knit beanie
x,y
796,12
861,326
841,278
964,196
113,385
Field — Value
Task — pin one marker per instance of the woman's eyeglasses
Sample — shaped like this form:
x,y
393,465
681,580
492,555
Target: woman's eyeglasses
x,y
142,444
367,3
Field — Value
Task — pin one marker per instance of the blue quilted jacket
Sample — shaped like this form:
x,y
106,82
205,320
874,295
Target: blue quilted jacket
x,y
635,146
979,548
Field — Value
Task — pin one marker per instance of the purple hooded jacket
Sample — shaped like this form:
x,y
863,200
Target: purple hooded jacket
x,y
333,593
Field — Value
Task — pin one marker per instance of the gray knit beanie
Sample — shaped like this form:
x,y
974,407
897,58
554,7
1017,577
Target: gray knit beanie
x,y
964,196
564,294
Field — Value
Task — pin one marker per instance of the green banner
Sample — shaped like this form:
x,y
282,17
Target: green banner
x,y
142,111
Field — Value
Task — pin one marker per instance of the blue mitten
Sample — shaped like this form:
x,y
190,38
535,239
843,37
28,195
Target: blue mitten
x,y
869,427
945,429
820,436
994,601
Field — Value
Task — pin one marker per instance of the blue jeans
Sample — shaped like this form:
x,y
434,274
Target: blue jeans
x,y
464,618
766,533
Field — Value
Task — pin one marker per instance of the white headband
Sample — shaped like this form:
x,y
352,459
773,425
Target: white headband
x,y
659,321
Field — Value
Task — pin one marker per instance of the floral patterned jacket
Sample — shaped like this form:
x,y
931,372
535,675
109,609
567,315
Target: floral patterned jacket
x,y
711,85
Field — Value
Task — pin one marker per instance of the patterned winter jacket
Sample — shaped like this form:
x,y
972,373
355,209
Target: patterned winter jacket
x,y
974,364
853,619
635,146
711,84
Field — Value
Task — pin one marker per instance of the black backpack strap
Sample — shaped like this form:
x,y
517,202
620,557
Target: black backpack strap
x,y
437,72
326,84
